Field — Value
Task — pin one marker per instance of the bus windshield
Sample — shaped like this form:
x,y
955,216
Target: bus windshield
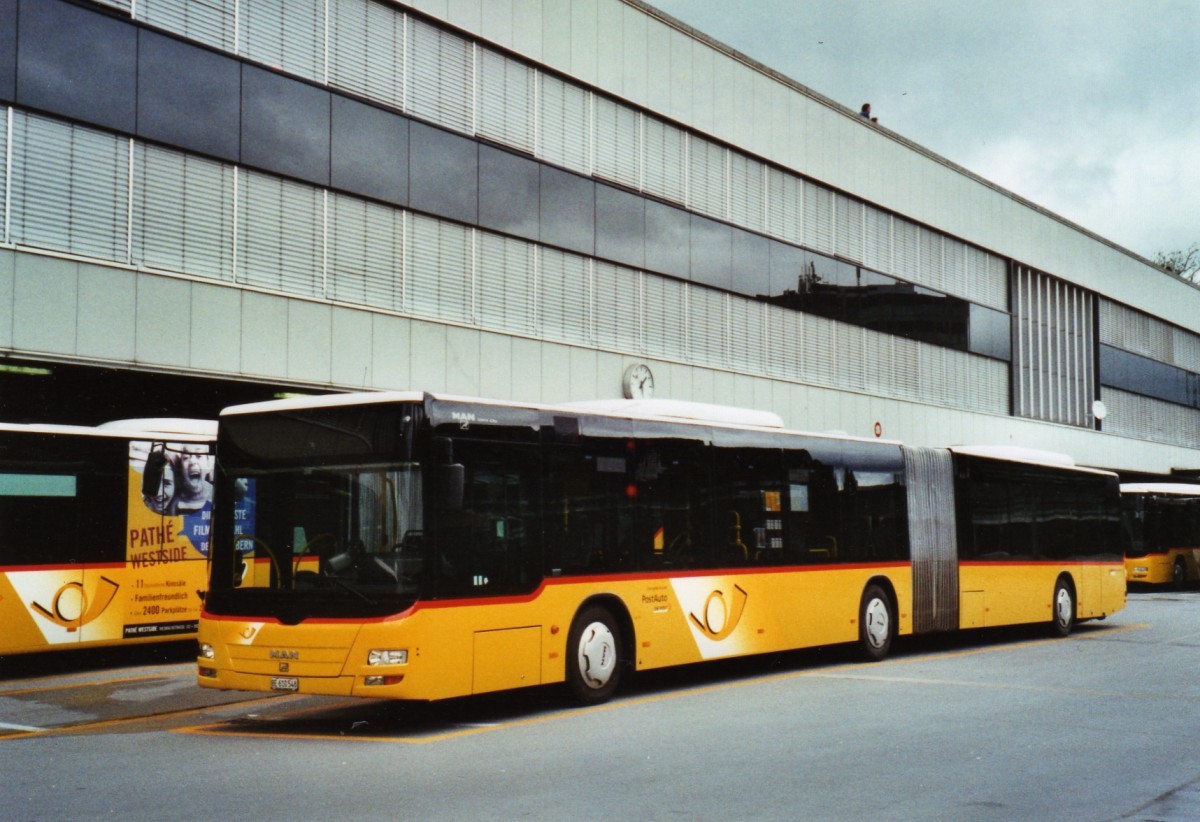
x,y
343,541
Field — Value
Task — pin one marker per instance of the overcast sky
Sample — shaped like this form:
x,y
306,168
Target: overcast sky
x,y
1088,108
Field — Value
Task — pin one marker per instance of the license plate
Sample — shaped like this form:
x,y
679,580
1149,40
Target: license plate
x,y
285,683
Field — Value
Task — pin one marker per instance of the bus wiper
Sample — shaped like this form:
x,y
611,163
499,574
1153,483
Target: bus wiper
x,y
343,584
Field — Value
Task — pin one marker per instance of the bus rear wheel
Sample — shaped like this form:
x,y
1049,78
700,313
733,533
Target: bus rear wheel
x,y
594,656
1179,574
876,628
1063,619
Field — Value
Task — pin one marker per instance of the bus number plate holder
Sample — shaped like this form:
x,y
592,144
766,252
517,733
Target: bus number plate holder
x,y
285,683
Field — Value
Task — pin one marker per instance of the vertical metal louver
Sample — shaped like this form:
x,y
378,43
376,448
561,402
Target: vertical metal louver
x,y
849,230
933,537
6,119
564,291
617,312
707,189
1054,351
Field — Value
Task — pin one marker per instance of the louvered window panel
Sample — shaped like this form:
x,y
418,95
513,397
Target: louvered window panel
x,y
995,276
746,196
1132,415
617,307
212,22
708,188
120,5
821,354
506,100
182,213
617,142
848,235
280,235
664,169
818,217
783,338
906,245
441,77
69,189
986,279
877,240
664,312
440,270
285,34
850,355
366,253
5,117
933,264
954,266
366,50
708,329
506,284
747,321
564,123
785,206
564,296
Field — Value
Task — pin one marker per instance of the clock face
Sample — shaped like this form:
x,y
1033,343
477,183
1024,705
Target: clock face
x,y
638,382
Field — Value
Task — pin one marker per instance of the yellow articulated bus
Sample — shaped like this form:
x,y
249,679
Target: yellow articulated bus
x,y
409,546
103,532
1162,532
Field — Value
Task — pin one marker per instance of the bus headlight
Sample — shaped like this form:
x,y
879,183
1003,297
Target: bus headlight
x,y
206,651
393,657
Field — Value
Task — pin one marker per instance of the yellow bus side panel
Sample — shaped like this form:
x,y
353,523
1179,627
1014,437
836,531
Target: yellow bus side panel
x,y
994,594
463,648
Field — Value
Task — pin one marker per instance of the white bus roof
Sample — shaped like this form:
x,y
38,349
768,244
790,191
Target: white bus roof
x,y
1179,489
164,425
198,430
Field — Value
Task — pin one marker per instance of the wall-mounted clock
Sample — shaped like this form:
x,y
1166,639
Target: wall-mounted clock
x,y
638,382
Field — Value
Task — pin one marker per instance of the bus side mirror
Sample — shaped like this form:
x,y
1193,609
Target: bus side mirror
x,y
449,480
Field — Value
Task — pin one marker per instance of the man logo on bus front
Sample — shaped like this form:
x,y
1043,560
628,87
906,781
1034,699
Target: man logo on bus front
x,y
720,619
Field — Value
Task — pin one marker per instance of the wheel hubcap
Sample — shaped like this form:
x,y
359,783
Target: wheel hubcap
x,y
876,621
1064,607
597,655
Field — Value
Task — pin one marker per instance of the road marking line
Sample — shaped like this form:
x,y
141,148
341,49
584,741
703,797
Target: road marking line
x,y
23,728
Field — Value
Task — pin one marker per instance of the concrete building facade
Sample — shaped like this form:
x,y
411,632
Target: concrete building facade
x,y
523,199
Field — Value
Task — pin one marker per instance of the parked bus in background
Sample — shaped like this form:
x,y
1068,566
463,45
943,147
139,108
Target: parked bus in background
x,y
103,532
1162,532
417,547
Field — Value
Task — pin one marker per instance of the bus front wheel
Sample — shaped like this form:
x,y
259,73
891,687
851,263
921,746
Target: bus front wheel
x,y
1064,608
594,656
1179,574
876,628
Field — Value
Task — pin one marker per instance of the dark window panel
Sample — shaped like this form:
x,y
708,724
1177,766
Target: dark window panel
x,y
568,210
285,125
78,64
620,226
712,252
1142,375
751,264
668,243
787,266
8,50
990,333
369,152
443,173
176,81
509,193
